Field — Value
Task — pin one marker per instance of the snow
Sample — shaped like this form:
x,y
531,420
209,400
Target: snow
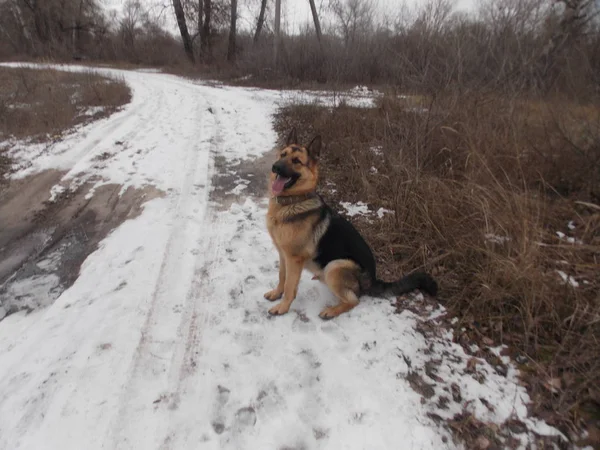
x,y
55,191
31,289
164,340
568,278
355,209
358,97
491,237
383,211
377,150
362,209
360,90
563,237
92,111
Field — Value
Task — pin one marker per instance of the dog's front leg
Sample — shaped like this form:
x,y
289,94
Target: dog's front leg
x,y
293,271
276,293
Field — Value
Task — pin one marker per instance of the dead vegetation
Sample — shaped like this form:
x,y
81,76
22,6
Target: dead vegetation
x,y
41,105
498,197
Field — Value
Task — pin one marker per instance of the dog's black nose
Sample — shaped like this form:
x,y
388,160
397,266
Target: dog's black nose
x,y
278,167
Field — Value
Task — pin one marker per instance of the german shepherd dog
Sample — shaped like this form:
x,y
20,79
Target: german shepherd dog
x,y
308,234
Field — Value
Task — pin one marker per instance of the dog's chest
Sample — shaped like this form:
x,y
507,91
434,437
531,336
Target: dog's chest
x,y
280,232
291,238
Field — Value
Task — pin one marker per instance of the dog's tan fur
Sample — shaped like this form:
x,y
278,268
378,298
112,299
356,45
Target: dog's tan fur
x,y
296,241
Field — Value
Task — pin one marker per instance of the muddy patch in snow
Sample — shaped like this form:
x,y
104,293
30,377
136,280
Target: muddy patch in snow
x,y
247,178
47,233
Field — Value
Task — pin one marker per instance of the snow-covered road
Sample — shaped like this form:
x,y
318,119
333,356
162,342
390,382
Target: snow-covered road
x,y
164,341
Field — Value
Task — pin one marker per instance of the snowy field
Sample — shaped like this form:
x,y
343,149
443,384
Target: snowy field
x,y
164,341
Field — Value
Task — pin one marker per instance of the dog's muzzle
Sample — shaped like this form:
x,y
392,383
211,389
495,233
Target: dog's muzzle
x,y
281,168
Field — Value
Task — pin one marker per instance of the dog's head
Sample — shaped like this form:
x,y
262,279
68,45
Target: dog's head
x,y
296,170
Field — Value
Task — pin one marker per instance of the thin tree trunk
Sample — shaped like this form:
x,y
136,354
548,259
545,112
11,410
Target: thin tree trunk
x,y
277,32
315,15
261,19
205,33
200,15
183,29
232,32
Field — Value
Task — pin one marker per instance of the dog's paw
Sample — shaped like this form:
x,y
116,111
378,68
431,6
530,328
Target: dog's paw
x,y
279,309
329,313
273,295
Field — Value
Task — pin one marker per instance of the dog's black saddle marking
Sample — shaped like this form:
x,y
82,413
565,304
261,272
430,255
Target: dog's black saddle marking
x,y
342,241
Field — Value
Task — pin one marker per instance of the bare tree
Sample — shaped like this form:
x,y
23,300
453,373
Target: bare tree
x,y
232,32
315,15
50,26
576,16
183,29
200,17
132,17
354,18
434,16
261,20
277,32
205,46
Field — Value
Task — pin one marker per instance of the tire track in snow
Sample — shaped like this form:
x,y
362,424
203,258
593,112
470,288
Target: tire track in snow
x,y
185,362
189,359
159,352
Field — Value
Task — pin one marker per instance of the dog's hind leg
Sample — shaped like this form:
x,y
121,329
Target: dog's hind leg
x,y
341,276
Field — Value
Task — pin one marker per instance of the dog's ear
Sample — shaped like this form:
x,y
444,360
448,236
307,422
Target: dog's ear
x,y
292,138
314,148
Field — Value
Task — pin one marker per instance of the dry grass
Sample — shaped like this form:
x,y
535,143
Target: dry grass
x,y
480,184
41,105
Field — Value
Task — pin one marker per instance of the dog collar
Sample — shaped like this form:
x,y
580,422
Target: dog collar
x,y
291,199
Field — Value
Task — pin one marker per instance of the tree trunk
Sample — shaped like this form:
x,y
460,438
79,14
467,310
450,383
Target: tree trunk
x,y
313,8
205,32
261,19
232,32
183,29
571,27
277,32
200,16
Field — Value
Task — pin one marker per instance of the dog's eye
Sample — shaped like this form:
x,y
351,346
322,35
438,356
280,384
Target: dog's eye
x,y
296,161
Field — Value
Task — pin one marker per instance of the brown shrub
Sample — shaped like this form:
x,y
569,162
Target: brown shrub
x,y
40,103
480,185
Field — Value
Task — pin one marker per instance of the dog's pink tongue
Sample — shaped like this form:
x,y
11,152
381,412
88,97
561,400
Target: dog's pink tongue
x,y
279,184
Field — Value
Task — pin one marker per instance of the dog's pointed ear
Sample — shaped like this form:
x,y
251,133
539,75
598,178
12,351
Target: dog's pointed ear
x,y
314,148
292,138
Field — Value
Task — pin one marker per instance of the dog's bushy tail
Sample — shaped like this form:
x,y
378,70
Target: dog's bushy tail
x,y
416,280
